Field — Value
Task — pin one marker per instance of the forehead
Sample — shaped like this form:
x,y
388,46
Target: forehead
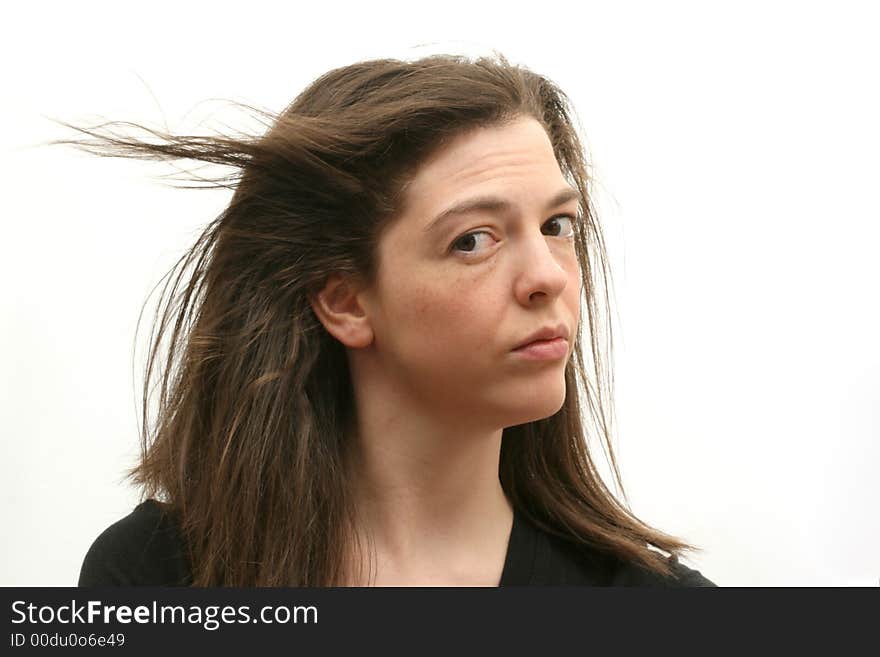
x,y
513,159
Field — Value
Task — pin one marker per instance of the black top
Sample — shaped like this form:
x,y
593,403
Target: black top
x,y
145,549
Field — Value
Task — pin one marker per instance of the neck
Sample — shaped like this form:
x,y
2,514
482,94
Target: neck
x,y
429,502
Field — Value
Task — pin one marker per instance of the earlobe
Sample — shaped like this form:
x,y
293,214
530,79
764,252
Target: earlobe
x,y
338,307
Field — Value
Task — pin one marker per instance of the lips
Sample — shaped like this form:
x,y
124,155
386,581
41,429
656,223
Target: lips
x,y
544,334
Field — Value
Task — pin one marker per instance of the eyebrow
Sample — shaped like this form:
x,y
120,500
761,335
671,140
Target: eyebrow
x,y
496,204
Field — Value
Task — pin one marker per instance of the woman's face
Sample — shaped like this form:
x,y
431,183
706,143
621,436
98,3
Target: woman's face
x,y
455,296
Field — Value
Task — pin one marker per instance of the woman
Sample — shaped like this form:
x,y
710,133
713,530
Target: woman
x,y
375,373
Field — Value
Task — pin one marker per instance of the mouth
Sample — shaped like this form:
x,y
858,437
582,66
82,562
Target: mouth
x,y
552,349
550,333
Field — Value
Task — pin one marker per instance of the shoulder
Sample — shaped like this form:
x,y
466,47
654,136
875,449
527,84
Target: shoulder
x,y
562,562
144,548
682,576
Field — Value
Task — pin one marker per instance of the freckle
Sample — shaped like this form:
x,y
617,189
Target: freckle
x,y
423,302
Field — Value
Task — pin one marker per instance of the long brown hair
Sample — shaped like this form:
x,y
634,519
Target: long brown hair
x,y
256,406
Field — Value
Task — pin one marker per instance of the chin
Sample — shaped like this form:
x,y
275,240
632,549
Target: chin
x,y
538,407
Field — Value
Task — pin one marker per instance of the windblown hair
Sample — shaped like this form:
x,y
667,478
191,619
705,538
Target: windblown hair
x,y
248,449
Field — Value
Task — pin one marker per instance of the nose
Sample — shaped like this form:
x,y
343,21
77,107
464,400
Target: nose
x,y
540,270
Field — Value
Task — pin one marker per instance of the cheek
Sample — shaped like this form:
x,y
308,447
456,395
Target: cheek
x,y
447,322
574,288
440,300
574,291
444,316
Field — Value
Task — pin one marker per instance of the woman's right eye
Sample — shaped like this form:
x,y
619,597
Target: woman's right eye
x,y
463,243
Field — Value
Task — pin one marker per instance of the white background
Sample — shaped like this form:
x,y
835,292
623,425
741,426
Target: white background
x,y
736,151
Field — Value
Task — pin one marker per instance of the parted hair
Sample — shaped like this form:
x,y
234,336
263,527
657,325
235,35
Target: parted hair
x,y
247,447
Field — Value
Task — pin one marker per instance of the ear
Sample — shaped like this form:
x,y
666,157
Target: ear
x,y
338,306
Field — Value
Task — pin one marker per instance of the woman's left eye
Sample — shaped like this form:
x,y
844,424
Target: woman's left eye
x,y
470,239
571,221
